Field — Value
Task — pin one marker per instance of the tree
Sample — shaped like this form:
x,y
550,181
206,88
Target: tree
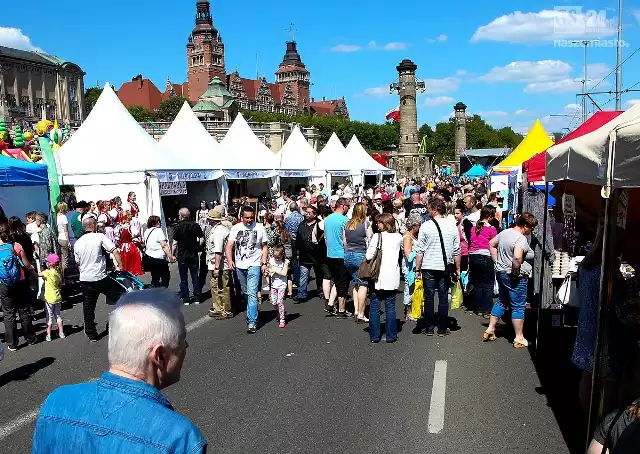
x,y
91,95
169,108
140,114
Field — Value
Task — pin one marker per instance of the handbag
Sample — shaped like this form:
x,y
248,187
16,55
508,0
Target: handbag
x,y
370,269
568,292
450,271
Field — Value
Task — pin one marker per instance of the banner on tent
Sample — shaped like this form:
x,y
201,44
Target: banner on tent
x,y
173,188
388,172
340,173
248,174
196,175
371,172
294,173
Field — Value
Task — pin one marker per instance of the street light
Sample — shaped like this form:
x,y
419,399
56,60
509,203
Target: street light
x,y
397,86
585,89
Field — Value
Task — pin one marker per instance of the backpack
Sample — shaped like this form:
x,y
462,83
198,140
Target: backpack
x,y
629,440
10,265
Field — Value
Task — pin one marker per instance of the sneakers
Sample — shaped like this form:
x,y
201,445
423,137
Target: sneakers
x,y
429,331
186,301
446,332
11,348
331,310
196,299
282,324
214,314
61,335
343,315
48,338
251,328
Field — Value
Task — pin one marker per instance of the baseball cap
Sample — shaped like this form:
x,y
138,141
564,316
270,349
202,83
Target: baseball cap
x,y
53,259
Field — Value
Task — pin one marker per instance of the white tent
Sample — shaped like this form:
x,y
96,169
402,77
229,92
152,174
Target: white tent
x,y
297,157
249,158
583,159
624,152
362,161
333,158
194,156
109,155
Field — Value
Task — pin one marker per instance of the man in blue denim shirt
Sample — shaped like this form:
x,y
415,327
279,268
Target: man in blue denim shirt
x,y
124,411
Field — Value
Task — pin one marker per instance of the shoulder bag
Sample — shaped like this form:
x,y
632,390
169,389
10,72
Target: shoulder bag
x,y
450,270
370,269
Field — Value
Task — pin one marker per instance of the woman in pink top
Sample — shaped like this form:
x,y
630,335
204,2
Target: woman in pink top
x,y
480,262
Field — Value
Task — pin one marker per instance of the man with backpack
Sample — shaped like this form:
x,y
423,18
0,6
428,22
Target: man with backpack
x,y
618,432
14,289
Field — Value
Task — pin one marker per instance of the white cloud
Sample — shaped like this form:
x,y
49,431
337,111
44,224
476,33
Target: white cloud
x,y
461,72
596,71
446,85
393,45
632,102
562,86
572,107
439,39
374,92
521,112
13,37
528,71
438,101
446,118
546,25
493,113
345,48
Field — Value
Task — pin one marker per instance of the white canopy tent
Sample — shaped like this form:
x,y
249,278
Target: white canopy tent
x,y
583,159
195,157
624,152
102,166
333,160
297,157
363,161
249,158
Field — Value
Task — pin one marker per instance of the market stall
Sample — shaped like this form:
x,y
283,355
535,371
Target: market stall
x,y
477,171
197,160
296,161
536,141
110,155
361,162
251,168
333,160
24,187
485,157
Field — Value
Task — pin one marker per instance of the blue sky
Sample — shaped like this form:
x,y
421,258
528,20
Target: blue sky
x,y
498,57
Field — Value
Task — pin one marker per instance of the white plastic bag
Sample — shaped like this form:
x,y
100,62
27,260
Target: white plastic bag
x,y
568,292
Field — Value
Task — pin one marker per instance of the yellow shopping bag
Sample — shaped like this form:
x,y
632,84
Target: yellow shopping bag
x,y
417,300
456,295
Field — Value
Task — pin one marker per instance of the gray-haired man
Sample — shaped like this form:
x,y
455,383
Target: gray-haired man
x,y
124,410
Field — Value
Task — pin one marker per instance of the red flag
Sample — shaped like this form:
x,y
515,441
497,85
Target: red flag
x,y
394,115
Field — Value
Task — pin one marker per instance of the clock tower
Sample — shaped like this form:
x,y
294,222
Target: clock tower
x,y
205,53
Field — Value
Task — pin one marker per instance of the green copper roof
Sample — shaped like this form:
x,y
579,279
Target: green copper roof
x,y
206,106
35,57
216,88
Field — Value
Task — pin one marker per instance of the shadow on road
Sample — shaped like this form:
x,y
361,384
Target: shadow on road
x,y
26,371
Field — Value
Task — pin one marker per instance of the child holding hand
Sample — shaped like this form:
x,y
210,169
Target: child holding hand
x,y
52,294
278,270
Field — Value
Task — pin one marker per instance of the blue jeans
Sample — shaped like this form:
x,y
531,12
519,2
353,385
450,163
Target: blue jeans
x,y
185,269
512,292
305,270
352,262
250,283
391,329
434,280
483,276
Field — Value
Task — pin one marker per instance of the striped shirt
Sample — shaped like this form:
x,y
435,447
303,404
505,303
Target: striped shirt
x,y
428,243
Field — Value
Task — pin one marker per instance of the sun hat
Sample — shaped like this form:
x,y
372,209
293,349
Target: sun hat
x,y
216,214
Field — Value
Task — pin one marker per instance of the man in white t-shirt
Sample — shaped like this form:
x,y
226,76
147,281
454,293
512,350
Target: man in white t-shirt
x,y
221,281
251,257
91,251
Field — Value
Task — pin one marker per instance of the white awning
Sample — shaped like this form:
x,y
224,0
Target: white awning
x,y
297,157
361,161
249,158
333,158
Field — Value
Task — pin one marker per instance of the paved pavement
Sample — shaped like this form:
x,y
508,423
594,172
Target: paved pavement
x,y
317,386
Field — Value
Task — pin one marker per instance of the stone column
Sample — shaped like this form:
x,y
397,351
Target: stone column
x,y
16,91
460,119
409,146
80,97
31,97
43,112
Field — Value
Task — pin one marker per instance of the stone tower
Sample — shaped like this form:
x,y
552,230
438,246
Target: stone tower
x,y
460,119
294,76
205,52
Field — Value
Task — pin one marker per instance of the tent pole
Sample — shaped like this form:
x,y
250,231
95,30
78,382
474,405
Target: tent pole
x,y
544,247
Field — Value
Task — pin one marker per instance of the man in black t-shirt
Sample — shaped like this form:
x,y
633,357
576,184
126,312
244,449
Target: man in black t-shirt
x,y
619,431
188,240
418,208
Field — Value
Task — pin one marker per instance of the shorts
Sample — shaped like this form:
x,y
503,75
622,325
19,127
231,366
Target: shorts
x,y
339,276
352,262
53,312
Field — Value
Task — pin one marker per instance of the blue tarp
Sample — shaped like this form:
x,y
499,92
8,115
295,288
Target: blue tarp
x,y
15,172
476,171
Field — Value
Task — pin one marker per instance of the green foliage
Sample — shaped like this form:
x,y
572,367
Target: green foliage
x,y
91,95
18,138
141,114
372,136
169,108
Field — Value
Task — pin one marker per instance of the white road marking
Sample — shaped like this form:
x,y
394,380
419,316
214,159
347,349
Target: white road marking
x,y
29,417
436,409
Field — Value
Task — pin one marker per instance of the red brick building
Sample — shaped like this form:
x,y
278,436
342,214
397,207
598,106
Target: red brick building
x,y
289,94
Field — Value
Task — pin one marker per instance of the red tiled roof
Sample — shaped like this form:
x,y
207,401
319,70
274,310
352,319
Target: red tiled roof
x,y
250,87
276,92
322,108
140,93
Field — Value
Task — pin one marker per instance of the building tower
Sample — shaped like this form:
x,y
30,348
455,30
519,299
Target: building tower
x,y
460,119
205,52
294,76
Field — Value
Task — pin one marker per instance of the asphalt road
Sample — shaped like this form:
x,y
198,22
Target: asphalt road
x,y
316,386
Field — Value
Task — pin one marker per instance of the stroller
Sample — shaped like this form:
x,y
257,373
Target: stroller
x,y
127,281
